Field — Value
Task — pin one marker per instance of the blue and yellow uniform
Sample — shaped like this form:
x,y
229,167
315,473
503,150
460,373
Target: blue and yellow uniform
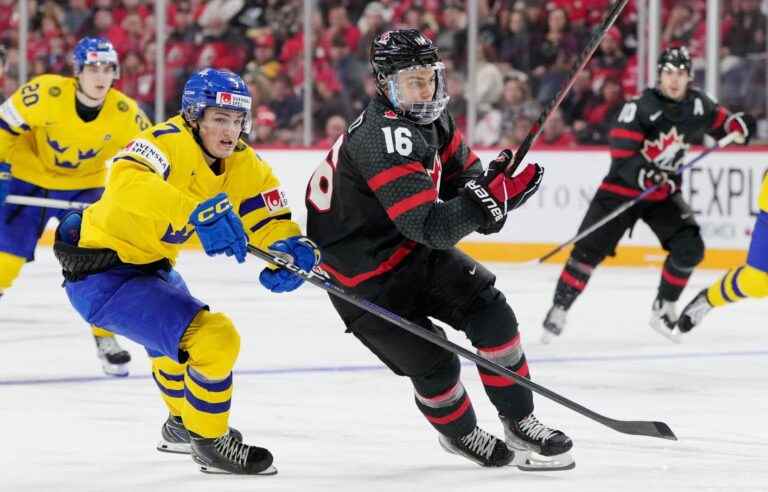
x,y
53,153
750,279
154,185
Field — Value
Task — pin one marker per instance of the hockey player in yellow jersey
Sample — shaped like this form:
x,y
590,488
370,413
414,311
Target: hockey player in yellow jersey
x,y
748,280
190,175
56,134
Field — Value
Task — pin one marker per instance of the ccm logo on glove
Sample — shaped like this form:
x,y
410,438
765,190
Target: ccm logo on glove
x,y
219,207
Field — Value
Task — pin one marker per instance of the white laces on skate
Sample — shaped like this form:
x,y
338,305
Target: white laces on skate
x,y
534,429
232,449
480,442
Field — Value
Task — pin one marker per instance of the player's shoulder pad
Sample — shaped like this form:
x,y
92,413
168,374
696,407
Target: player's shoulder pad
x,y
124,104
157,146
648,103
708,102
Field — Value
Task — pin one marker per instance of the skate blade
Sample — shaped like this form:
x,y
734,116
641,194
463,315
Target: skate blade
x,y
174,447
673,334
533,461
271,470
115,370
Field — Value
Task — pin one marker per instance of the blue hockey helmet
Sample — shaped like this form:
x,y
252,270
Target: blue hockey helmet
x,y
216,88
94,51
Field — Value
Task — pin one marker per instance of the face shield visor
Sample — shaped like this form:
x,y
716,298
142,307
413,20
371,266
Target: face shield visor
x,y
419,92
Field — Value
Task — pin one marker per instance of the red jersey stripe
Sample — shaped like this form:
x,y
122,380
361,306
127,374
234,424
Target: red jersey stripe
x,y
455,415
674,279
621,153
720,118
411,202
496,381
513,342
628,134
393,173
397,257
573,281
452,146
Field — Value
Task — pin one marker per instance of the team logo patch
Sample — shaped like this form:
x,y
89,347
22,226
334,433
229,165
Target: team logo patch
x,y
274,199
148,154
54,91
122,106
668,151
236,100
389,114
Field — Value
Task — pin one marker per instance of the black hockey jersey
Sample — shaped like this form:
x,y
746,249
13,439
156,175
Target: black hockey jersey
x,y
387,188
653,130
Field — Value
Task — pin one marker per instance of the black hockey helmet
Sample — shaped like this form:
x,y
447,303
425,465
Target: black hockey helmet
x,y
393,52
678,58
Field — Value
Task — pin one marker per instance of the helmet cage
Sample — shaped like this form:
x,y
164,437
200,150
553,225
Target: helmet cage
x,y
421,112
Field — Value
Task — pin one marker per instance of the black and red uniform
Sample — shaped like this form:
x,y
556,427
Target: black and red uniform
x,y
386,209
651,134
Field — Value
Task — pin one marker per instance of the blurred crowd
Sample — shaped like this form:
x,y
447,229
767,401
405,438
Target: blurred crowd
x,y
525,51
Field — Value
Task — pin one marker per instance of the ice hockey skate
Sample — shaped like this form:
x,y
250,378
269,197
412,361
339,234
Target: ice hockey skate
x,y
227,455
554,323
114,358
694,312
479,446
549,448
175,437
664,319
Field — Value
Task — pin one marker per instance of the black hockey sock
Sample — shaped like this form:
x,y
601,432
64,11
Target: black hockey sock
x,y
450,412
673,280
572,282
509,398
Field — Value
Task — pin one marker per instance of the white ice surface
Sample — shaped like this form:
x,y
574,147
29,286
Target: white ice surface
x,y
335,419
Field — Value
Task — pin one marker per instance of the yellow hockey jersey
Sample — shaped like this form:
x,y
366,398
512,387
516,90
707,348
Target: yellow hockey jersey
x,y
160,177
762,202
46,142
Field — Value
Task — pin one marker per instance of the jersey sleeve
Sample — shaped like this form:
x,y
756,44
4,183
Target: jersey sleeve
x,y
139,176
460,164
20,112
626,141
264,212
391,159
717,115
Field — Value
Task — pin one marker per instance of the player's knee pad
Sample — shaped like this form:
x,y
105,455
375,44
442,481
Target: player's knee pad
x,y
10,267
490,321
585,258
687,248
753,282
212,343
439,378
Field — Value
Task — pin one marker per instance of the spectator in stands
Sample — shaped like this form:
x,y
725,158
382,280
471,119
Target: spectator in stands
x,y
580,97
76,17
515,42
744,51
334,127
602,115
522,126
284,103
452,37
457,105
263,54
610,61
555,132
264,123
328,99
339,25
349,69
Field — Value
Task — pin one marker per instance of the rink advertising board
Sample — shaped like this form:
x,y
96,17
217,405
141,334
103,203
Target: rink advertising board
x,y
722,191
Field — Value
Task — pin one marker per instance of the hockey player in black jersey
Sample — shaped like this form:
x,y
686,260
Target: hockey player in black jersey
x,y
395,194
648,143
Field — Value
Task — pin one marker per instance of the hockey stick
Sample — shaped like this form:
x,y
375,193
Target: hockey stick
x,y
635,427
723,142
35,201
578,66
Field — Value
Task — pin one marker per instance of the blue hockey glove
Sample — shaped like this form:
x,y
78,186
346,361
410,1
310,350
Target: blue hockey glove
x,y
219,228
5,181
305,255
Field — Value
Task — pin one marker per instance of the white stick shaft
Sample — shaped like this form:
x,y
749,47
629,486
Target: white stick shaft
x,y
35,201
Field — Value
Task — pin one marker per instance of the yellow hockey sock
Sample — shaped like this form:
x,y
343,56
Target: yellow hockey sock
x,y
169,377
745,281
10,267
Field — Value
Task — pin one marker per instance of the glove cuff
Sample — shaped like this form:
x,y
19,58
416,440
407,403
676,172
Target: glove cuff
x,y
491,207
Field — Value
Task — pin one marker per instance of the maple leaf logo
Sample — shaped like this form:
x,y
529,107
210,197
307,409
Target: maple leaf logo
x,y
667,151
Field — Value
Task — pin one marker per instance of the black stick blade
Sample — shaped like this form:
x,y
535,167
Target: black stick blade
x,y
643,428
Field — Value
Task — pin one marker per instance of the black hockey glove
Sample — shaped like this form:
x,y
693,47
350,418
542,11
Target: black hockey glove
x,y
495,166
649,176
740,123
497,193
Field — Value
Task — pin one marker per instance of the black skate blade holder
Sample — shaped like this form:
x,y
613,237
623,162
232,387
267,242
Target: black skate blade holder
x,y
319,279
